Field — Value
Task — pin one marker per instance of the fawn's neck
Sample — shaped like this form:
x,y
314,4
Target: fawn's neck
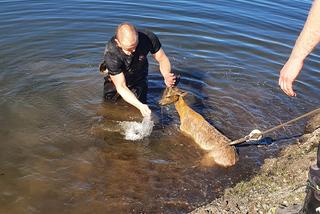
x,y
181,107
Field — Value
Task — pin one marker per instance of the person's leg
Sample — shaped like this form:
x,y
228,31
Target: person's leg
x,y
312,199
109,91
311,203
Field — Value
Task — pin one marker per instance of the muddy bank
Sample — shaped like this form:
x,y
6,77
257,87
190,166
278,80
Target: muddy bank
x,y
281,181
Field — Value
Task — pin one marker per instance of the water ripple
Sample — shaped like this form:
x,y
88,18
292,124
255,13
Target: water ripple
x,y
228,54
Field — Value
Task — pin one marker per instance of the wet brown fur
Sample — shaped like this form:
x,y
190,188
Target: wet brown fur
x,y
205,135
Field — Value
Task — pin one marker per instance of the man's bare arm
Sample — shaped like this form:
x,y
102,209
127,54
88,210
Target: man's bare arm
x,y
165,67
306,42
121,87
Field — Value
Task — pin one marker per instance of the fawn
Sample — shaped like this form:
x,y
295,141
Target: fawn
x,y
205,135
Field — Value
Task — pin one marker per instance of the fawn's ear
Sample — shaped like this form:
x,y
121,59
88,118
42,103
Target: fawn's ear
x,y
184,93
181,92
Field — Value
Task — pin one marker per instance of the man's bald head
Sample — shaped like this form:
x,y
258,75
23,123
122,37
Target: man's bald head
x,y
127,35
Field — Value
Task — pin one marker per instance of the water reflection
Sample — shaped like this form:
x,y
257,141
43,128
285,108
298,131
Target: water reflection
x,y
228,54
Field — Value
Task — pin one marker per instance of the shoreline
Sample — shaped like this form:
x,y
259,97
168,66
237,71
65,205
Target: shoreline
x,y
280,182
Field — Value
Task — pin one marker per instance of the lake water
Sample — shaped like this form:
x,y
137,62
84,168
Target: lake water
x,y
60,151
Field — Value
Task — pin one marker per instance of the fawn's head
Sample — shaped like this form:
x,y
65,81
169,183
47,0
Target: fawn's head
x,y
171,95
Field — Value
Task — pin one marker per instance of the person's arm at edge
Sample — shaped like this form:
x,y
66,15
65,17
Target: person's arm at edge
x,y
165,67
121,87
306,42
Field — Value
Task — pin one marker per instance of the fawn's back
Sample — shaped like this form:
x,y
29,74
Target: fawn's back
x,y
204,134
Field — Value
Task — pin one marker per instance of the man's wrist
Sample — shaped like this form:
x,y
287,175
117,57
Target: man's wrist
x,y
295,58
139,105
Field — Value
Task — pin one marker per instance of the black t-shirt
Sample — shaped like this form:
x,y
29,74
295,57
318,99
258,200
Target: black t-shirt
x,y
135,66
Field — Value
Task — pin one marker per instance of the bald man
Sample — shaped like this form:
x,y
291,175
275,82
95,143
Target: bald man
x,y
126,65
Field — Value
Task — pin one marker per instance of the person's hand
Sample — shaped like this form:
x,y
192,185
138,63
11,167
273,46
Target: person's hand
x,y
145,110
170,79
288,74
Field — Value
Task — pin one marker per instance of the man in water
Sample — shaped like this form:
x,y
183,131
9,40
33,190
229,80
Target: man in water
x,y
306,42
126,65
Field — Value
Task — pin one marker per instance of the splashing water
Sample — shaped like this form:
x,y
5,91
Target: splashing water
x,y
137,131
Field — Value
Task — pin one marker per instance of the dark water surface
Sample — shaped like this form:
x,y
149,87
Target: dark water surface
x,y
228,53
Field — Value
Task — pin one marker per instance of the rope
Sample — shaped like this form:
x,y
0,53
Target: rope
x,y
244,139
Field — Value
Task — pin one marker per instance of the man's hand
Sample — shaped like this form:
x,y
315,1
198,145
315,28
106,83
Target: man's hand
x,y
120,83
288,74
170,79
145,110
